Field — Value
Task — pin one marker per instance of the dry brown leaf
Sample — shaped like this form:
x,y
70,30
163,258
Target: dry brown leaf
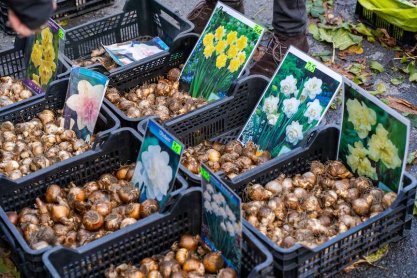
x,y
401,105
354,49
386,38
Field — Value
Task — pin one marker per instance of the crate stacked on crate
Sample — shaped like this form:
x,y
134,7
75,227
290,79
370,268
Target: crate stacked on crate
x,y
403,37
13,64
115,149
65,9
150,20
182,216
220,121
342,250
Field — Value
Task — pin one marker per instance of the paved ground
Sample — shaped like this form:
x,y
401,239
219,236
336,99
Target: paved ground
x,y
402,257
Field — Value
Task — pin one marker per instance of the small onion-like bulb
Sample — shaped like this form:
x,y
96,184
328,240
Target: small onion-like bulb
x,y
227,273
189,242
388,199
127,221
92,220
148,207
213,262
360,206
194,265
181,255
133,210
112,221
274,186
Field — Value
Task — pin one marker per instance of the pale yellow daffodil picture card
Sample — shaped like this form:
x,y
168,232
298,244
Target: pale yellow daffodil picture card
x,y
374,138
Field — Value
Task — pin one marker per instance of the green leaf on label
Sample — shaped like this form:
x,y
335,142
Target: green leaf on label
x,y
176,147
397,81
374,65
380,89
205,174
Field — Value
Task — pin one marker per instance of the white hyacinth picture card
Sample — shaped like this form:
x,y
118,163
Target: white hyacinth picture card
x,y
299,94
83,102
374,138
157,164
222,219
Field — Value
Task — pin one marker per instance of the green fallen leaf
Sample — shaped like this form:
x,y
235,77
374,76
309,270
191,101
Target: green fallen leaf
x,y
378,255
413,77
397,81
374,65
325,56
315,8
380,89
415,208
364,30
340,37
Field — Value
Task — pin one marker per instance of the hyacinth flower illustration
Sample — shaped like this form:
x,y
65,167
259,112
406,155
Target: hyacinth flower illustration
x,y
222,220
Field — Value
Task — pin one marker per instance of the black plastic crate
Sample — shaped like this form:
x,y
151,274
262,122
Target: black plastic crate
x,y
403,38
53,99
151,238
112,150
12,63
150,18
65,9
333,256
219,121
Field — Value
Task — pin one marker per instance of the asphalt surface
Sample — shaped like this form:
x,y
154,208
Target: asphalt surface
x,y
401,259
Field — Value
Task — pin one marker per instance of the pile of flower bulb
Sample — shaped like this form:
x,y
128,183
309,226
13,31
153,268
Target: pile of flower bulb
x,y
12,91
232,158
162,99
313,207
30,146
75,215
189,257
98,56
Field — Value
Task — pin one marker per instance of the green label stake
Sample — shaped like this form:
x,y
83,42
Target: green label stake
x,y
205,174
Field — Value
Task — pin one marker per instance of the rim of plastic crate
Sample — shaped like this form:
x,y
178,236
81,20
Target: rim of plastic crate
x,y
129,229
10,231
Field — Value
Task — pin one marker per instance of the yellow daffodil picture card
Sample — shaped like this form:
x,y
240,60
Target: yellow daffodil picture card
x,y
374,138
221,54
43,57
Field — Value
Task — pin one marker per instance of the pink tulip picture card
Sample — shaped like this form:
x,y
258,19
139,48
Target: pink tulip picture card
x,y
374,138
221,226
157,164
85,96
42,55
299,94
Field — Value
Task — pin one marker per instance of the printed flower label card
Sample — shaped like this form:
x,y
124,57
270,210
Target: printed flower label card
x,y
221,54
83,102
42,55
157,164
222,219
374,138
295,101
